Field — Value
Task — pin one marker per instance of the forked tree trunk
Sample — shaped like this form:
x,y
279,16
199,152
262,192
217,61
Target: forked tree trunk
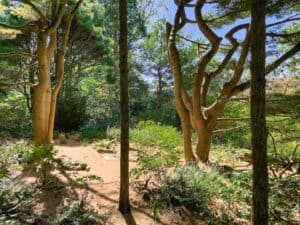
x,y
41,96
44,95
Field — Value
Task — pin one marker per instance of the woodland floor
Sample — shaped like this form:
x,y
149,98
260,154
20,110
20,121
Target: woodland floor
x,y
102,196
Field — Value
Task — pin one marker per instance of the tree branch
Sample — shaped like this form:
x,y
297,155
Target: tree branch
x,y
271,34
221,131
56,22
19,54
234,44
214,40
232,119
27,83
271,67
289,19
282,58
30,26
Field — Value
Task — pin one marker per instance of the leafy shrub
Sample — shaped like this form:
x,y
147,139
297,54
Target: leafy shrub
x,y
76,214
10,156
15,205
154,134
63,138
238,138
284,199
113,133
190,187
71,110
36,157
158,148
15,117
4,172
92,132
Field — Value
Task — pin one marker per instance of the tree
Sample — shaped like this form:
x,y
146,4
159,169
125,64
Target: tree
x,y
124,205
46,32
192,107
155,60
258,117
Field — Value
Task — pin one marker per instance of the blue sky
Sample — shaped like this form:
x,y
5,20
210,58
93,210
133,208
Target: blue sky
x,y
191,29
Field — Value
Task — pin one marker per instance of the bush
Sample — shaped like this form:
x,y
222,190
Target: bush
x,y
76,214
149,133
193,190
71,110
15,117
36,157
10,156
113,133
92,132
190,187
158,148
15,205
284,199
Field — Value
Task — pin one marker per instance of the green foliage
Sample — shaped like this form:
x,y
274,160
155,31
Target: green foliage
x,y
71,111
76,214
148,133
36,157
158,148
4,172
14,115
239,138
82,181
113,133
10,156
190,187
284,199
14,204
92,132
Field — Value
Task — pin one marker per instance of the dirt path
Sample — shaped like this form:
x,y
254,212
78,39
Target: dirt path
x,y
104,196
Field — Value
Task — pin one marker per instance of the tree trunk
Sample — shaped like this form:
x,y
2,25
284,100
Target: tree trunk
x,y
41,96
124,204
203,144
258,118
187,141
40,114
159,89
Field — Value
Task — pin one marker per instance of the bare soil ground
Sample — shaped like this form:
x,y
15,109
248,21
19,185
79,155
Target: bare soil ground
x,y
102,196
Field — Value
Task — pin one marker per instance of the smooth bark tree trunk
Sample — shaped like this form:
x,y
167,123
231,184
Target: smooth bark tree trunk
x,y
40,114
124,204
187,141
203,145
41,96
258,119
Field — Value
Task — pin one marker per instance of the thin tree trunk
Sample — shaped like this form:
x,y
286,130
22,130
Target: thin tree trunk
x,y
258,120
124,204
159,89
